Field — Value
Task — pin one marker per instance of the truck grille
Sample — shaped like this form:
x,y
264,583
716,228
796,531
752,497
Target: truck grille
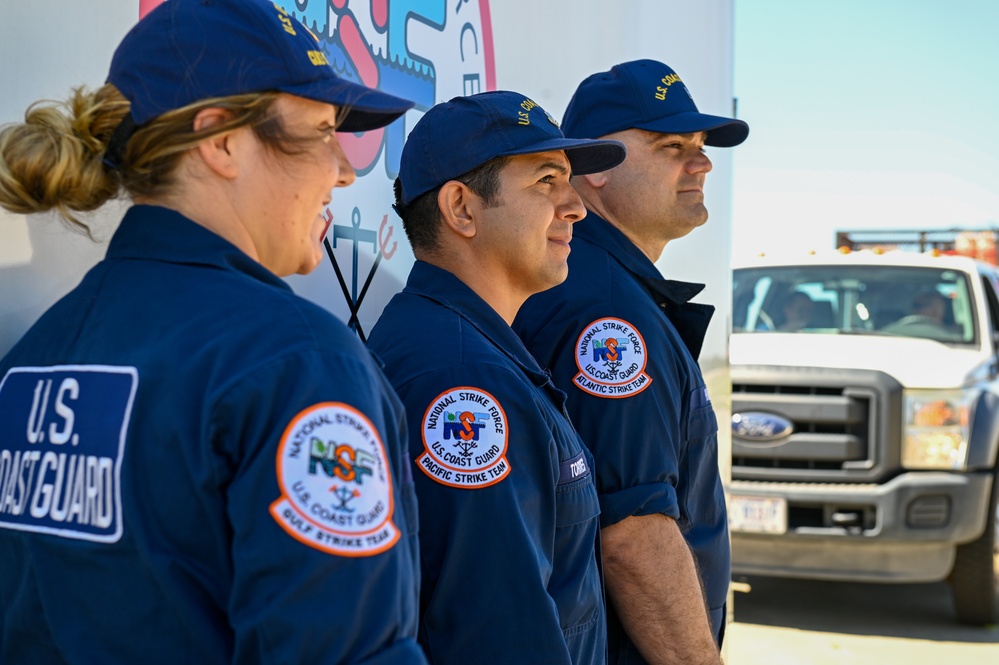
x,y
843,424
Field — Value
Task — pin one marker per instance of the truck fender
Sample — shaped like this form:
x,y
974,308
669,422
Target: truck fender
x,y
984,436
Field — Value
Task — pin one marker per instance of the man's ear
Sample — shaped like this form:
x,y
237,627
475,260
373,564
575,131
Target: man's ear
x,y
595,180
216,152
458,205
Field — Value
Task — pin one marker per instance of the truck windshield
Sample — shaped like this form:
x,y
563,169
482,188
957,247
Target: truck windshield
x,y
931,303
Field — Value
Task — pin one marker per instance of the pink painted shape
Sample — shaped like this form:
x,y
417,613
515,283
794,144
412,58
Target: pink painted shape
x,y
146,6
358,51
379,13
362,151
487,44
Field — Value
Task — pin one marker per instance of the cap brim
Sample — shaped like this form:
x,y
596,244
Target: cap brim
x,y
366,108
585,155
722,132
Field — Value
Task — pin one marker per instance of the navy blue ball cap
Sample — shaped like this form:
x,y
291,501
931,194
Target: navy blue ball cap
x,y
188,50
454,137
644,94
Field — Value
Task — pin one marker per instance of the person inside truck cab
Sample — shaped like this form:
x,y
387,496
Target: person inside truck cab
x,y
927,316
929,305
798,309
930,316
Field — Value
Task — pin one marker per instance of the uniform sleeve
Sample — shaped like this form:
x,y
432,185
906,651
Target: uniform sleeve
x,y
626,401
486,475
322,514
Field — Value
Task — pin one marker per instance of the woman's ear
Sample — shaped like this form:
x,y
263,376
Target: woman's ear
x,y
457,205
216,152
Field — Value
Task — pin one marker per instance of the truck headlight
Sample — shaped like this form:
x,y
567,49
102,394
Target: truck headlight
x,y
936,429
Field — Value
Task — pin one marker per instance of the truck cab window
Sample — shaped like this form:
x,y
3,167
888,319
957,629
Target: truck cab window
x,y
848,298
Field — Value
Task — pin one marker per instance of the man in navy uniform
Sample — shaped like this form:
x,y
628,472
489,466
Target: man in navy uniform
x,y
623,343
508,507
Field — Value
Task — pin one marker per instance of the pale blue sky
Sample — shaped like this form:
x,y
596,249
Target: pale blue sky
x,y
864,113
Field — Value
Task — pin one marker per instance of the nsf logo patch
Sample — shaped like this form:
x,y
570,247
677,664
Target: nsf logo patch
x,y
336,485
465,439
611,358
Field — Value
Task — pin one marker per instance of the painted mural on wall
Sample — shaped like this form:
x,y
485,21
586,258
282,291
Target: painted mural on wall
x,y
424,50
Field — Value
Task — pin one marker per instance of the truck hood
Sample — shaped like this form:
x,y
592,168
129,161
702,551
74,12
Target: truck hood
x,y
915,363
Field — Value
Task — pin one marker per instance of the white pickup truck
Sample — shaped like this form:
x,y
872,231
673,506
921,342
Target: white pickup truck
x,y
865,401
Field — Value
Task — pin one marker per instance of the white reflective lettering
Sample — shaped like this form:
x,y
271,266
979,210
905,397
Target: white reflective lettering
x,y
43,489
71,386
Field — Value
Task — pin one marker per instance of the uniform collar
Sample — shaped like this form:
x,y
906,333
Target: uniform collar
x,y
602,233
161,234
673,297
446,289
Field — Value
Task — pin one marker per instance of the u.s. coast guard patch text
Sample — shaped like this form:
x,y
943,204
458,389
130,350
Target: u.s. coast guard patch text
x,y
336,484
62,439
611,358
465,438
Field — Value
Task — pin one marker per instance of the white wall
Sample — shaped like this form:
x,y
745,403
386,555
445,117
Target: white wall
x,y
547,53
46,48
541,48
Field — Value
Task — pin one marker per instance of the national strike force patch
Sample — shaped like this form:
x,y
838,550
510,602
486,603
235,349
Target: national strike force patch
x,y
336,483
465,438
611,358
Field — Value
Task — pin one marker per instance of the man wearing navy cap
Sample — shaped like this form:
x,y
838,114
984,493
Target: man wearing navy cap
x,y
623,342
508,506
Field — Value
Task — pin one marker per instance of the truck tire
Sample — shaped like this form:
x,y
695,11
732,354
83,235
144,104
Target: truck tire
x,y
975,579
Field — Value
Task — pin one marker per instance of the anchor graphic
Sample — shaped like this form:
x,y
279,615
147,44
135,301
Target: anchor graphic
x,y
379,244
345,495
465,447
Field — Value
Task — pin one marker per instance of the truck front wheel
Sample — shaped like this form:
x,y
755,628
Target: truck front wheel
x,y
975,579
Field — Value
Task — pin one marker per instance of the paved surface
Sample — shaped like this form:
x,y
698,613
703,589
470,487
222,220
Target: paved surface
x,y
799,622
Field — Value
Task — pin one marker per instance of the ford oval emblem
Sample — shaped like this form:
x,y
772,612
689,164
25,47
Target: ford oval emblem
x,y
760,426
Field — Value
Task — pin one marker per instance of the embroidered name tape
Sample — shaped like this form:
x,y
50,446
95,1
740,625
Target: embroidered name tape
x,y
336,483
465,438
62,439
611,358
573,469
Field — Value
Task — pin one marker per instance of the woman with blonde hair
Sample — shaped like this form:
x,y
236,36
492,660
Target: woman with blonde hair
x,y
196,465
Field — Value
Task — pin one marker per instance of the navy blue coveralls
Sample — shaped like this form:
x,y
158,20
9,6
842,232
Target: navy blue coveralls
x,y
622,342
171,434
508,508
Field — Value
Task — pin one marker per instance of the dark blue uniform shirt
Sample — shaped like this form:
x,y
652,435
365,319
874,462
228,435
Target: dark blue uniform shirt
x,y
508,508
198,466
622,342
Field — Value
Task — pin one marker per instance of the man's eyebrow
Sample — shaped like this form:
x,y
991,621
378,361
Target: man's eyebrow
x,y
656,138
663,138
552,165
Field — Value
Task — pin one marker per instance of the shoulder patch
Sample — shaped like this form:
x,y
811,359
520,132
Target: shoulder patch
x,y
464,438
611,358
62,440
336,482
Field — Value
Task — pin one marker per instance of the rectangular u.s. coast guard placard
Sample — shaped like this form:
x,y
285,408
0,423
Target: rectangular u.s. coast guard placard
x,y
62,439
